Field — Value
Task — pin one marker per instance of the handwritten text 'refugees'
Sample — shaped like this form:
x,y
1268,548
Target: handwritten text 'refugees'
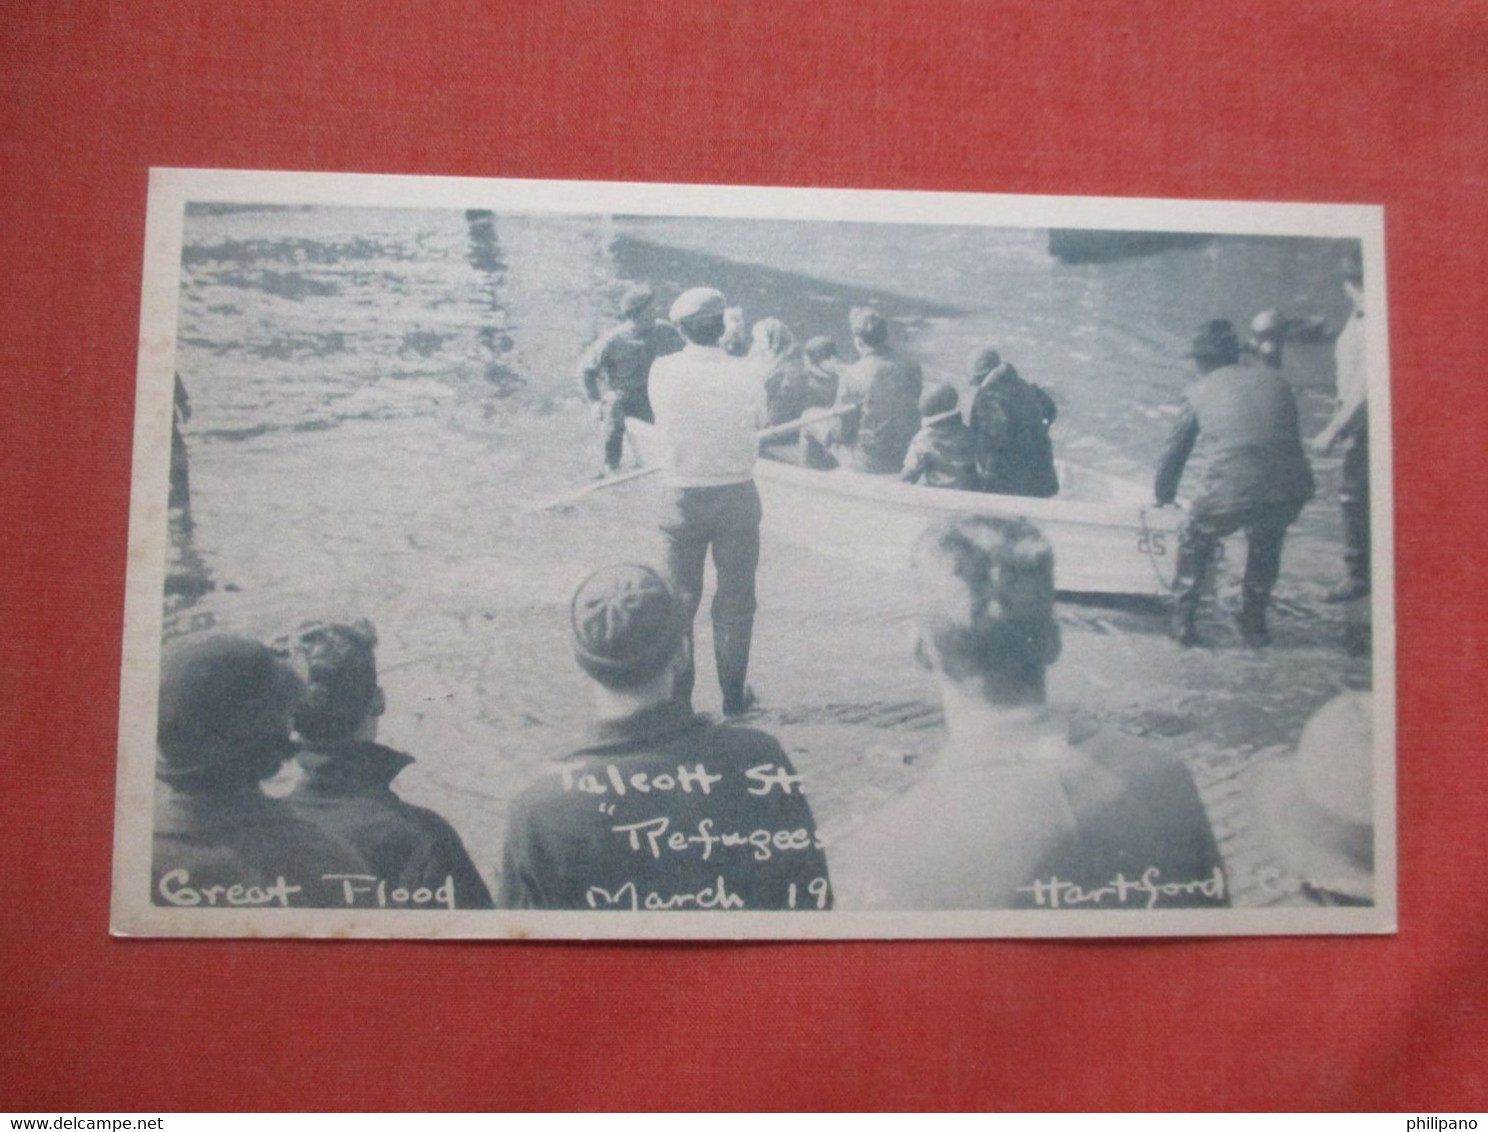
x,y
656,836
357,891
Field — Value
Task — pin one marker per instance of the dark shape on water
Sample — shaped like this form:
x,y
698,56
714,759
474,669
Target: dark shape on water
x,y
808,305
287,346
503,380
485,250
485,257
424,343
292,250
186,575
287,285
1084,245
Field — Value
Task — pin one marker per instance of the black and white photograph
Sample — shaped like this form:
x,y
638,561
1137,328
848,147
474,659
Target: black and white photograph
x,y
521,559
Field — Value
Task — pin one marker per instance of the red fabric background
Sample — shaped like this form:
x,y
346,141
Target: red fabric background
x,y
1350,101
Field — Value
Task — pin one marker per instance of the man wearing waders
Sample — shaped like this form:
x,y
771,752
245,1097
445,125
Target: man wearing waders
x,y
1244,421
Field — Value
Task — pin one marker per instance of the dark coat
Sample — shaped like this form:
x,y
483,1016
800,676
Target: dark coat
x,y
620,360
624,823
347,793
1241,423
245,839
942,455
1010,421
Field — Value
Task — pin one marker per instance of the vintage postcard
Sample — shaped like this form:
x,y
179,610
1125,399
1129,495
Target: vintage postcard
x,y
516,559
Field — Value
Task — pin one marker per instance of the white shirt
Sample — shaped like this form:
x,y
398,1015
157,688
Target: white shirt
x,y
1352,378
1348,358
708,405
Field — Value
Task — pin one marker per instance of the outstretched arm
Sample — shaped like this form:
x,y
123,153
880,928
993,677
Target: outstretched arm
x,y
1175,455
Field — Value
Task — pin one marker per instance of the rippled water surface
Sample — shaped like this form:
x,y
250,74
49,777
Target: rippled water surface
x,y
299,317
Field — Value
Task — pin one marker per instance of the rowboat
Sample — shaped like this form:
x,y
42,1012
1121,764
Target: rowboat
x,y
1108,535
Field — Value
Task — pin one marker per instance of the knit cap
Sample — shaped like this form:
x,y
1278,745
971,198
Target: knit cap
x,y
627,622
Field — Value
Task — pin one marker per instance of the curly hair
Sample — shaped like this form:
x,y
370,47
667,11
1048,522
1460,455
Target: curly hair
x,y
338,664
985,587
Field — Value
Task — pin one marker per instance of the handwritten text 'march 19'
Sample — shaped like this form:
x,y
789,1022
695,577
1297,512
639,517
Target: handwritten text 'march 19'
x,y
715,896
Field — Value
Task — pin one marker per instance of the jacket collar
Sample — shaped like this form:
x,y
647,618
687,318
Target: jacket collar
x,y
351,767
659,721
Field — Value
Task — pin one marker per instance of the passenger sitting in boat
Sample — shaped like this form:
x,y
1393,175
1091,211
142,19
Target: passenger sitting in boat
x,y
885,391
823,375
779,359
823,372
1010,421
941,453
1016,811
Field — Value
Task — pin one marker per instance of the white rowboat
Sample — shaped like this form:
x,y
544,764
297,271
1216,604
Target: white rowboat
x,y
1107,534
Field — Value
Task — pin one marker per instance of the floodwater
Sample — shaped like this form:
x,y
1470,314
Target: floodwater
x,y
377,393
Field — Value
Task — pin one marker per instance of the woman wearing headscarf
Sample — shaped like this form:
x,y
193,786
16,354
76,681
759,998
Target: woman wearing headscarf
x,y
775,351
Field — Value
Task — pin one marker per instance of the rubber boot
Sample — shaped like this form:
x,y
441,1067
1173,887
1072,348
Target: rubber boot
x,y
1251,621
731,652
1181,623
1194,556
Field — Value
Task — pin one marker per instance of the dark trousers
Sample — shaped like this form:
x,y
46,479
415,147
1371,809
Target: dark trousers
x,y
1353,497
617,406
727,519
1265,528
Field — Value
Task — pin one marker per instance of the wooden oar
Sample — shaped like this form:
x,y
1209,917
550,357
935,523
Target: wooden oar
x,y
803,422
569,498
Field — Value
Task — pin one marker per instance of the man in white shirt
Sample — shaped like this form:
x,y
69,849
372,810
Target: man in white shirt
x,y
708,407
1350,424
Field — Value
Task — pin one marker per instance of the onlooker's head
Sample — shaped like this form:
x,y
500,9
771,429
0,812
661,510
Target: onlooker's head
x,y
627,626
937,401
698,314
772,339
636,301
1215,345
224,715
338,664
868,327
985,362
819,349
985,588
1317,806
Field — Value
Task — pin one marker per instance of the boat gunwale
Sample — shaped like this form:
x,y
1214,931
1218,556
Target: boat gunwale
x,y
908,497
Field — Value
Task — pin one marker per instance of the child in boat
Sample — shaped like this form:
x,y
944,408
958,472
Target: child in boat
x,y
941,453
